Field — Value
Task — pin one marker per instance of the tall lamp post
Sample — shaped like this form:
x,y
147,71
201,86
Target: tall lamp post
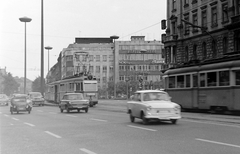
x,y
143,51
48,48
114,55
25,20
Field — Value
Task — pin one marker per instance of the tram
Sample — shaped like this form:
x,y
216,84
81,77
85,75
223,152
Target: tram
x,y
87,85
206,86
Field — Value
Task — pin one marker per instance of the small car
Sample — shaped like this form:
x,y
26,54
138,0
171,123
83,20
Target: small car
x,y
4,100
153,105
36,98
20,103
74,101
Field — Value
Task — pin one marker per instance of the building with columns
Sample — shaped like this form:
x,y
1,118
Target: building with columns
x,y
200,30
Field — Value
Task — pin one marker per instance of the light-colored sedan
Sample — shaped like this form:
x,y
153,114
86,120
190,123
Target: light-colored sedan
x,y
74,101
153,105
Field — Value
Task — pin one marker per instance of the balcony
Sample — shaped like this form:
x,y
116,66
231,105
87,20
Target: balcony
x,y
235,22
173,37
236,19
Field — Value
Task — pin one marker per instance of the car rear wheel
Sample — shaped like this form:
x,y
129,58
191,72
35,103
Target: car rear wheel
x,y
29,111
68,110
78,110
61,110
86,110
11,110
132,118
174,121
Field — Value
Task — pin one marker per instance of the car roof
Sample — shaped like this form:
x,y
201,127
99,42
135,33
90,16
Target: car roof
x,y
34,93
72,93
147,91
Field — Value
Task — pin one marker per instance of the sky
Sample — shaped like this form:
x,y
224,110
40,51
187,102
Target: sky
x,y
64,20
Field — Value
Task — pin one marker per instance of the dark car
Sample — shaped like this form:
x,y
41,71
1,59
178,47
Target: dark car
x,y
36,98
74,101
4,100
20,103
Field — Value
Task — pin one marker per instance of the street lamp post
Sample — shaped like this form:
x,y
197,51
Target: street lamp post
x,y
48,48
25,20
114,55
143,51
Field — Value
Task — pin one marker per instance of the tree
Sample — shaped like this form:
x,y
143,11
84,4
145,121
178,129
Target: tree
x,y
10,84
36,84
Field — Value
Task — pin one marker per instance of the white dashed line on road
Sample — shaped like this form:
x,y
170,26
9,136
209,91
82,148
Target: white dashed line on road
x,y
6,115
211,123
29,124
87,151
15,119
52,113
99,120
153,130
52,134
220,143
72,116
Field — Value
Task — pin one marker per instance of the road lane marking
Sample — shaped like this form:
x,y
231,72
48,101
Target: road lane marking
x,y
52,113
99,120
87,151
39,110
153,130
6,115
221,143
29,124
53,134
15,119
72,116
212,123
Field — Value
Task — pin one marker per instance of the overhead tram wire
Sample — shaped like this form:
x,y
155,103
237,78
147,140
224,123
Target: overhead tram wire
x,y
142,29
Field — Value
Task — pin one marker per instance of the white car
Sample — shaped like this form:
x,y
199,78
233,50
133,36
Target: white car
x,y
153,105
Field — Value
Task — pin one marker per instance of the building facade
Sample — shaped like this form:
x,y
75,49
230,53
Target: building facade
x,y
200,30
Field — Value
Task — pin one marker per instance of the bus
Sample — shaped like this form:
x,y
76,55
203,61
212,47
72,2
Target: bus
x,y
212,86
87,85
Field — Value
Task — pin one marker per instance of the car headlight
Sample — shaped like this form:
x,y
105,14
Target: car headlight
x,y
177,107
149,108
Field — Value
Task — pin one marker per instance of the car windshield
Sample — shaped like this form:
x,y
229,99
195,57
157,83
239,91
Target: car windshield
x,y
36,95
73,97
21,99
152,96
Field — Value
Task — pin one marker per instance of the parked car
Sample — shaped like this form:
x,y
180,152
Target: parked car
x,y
4,100
153,105
74,101
20,103
36,98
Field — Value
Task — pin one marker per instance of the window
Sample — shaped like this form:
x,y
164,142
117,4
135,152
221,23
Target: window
x,y
194,1
187,26
174,5
188,81
195,22
91,69
194,51
171,82
180,81
211,79
111,69
204,50
111,58
214,17
97,69
237,77
237,41
91,58
69,58
98,58
225,45
186,54
173,27
202,79
104,79
195,80
224,78
225,17
186,3
104,57
214,49
104,69
204,18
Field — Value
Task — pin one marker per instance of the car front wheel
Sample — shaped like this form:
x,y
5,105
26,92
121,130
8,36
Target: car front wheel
x,y
174,121
132,118
144,119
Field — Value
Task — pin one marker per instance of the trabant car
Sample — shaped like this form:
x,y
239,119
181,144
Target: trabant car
x,y
36,98
74,101
4,100
153,105
20,103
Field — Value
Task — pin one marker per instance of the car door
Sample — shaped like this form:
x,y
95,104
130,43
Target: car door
x,y
136,103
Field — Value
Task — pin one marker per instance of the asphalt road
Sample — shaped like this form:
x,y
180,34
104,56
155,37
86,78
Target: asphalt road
x,y
105,131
